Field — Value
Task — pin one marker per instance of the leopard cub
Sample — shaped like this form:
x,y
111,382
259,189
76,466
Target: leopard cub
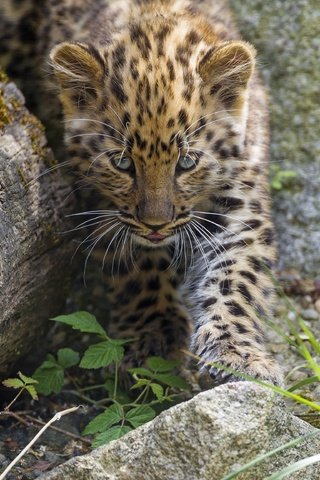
x,y
166,117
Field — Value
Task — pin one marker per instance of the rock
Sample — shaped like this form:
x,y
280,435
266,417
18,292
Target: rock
x,y
34,256
287,36
310,314
203,439
51,457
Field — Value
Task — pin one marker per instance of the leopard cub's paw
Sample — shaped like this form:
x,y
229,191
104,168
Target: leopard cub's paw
x,y
259,366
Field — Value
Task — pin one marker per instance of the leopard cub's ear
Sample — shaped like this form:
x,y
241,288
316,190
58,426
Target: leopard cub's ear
x,y
226,69
80,70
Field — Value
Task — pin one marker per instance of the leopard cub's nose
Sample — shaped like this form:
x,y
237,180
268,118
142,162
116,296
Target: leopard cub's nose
x,y
155,228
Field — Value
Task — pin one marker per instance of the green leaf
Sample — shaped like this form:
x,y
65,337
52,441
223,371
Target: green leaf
x,y
172,380
109,385
27,380
276,184
83,321
141,371
101,355
120,341
294,467
112,434
304,382
140,383
139,415
159,364
121,396
50,377
157,390
51,358
13,383
283,174
109,417
32,391
166,378
67,357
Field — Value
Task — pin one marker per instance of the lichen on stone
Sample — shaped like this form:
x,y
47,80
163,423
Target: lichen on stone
x,y
5,116
35,130
3,77
287,37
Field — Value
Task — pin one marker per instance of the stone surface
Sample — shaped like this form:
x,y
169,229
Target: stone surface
x,y
34,255
203,439
287,37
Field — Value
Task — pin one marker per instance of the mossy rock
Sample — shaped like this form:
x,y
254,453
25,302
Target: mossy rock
x,y
287,37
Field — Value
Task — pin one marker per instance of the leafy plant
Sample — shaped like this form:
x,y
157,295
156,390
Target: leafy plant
x,y
156,384
153,385
22,383
50,375
302,340
281,178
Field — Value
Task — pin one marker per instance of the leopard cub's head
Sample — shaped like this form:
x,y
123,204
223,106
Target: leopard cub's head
x,y
152,118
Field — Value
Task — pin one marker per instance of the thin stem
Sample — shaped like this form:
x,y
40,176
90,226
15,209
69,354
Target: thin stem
x,y
15,399
92,387
60,430
16,416
140,396
83,397
115,380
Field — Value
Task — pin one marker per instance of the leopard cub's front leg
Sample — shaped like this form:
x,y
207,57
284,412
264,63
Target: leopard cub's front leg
x,y
147,308
229,300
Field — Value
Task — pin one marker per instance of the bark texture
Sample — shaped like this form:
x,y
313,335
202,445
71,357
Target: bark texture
x,y
34,254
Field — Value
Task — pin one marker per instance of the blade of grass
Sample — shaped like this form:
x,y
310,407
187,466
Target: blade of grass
x,y
304,382
295,369
261,458
279,331
312,363
244,376
294,467
311,337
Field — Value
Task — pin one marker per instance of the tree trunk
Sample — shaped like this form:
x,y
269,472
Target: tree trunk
x,y
34,253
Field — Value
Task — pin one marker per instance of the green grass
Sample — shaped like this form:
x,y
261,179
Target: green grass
x,y
302,340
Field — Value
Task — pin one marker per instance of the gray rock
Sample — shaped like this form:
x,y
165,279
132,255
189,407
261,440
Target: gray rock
x,y
310,314
287,36
51,457
203,439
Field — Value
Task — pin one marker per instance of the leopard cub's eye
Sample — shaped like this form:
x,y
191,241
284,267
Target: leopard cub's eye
x,y
186,163
123,163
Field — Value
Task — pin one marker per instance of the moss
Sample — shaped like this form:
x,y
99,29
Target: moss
x,y
7,106
22,177
5,116
35,131
287,37
3,77
16,104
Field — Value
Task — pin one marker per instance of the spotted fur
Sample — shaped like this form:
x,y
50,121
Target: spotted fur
x,y
152,84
